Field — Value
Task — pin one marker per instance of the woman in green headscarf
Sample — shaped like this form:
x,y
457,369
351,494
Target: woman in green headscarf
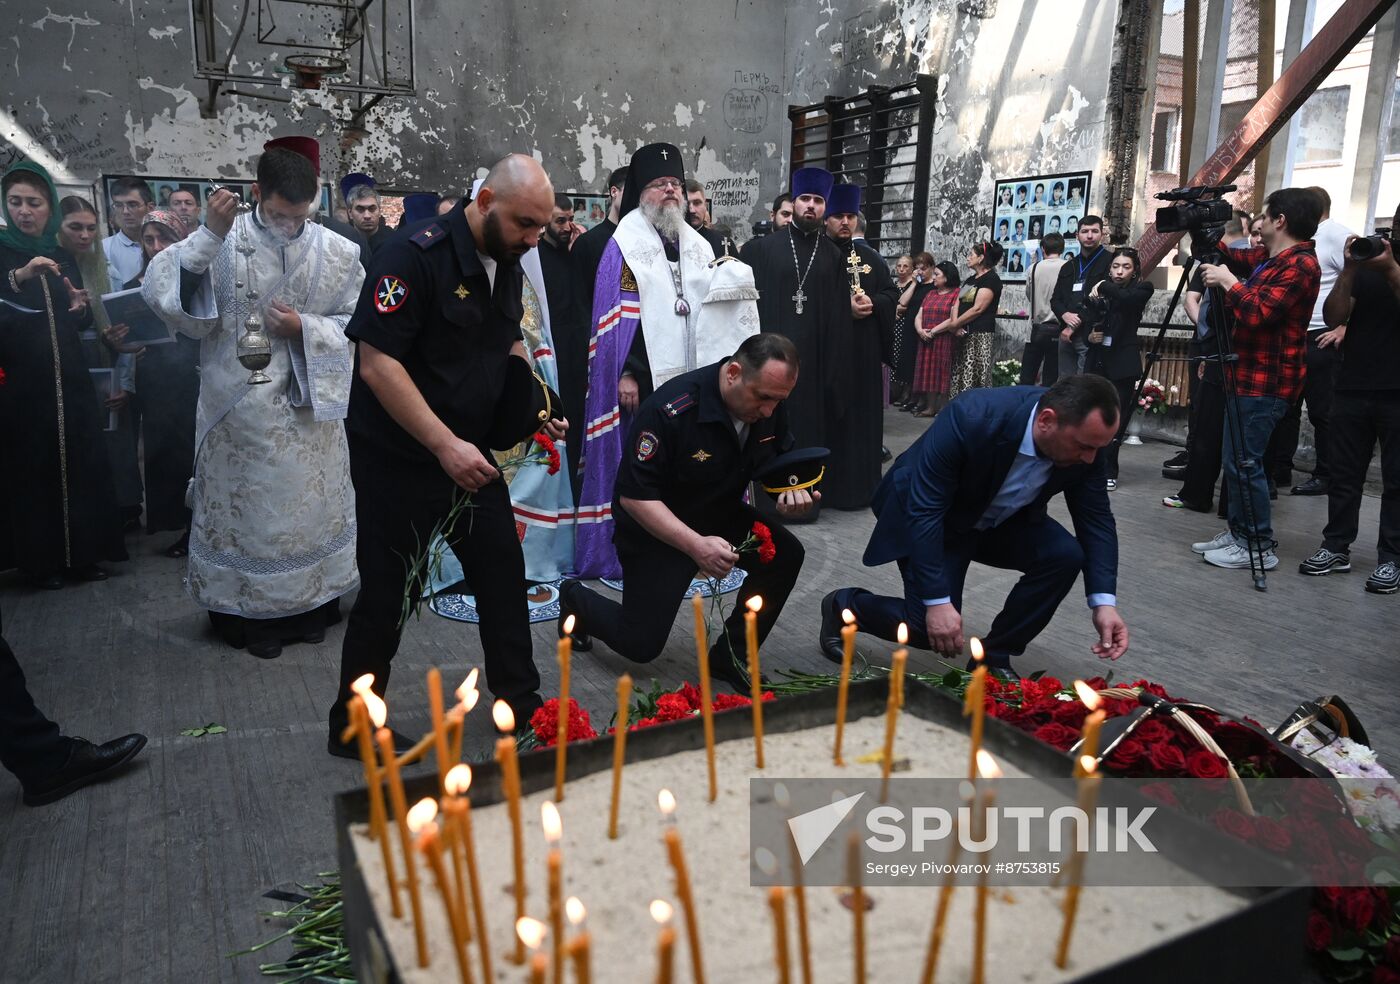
x,y
58,514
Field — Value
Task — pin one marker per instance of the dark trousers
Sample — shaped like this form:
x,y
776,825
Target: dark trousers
x,y
1044,551
30,744
397,504
655,577
1126,388
1207,440
1318,395
1359,420
1041,356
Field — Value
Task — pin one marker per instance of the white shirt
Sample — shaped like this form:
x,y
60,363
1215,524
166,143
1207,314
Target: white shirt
x,y
1330,240
490,265
124,259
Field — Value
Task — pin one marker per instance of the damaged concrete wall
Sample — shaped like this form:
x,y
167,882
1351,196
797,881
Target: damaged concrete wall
x,y
96,88
1021,91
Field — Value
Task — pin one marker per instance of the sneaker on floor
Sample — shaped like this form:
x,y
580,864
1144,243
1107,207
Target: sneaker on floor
x,y
1325,562
1222,539
1313,486
1177,460
1112,484
1385,579
1236,557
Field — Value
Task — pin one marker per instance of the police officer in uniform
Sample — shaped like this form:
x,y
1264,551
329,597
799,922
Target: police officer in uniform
x,y
695,444
438,326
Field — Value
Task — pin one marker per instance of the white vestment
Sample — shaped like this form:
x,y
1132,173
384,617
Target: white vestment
x,y
273,531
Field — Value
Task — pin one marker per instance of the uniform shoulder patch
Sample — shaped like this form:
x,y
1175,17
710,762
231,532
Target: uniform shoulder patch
x,y
647,445
629,279
679,405
389,294
428,236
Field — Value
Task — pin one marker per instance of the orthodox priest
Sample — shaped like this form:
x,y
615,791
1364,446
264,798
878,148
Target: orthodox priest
x,y
653,319
272,541
802,294
855,415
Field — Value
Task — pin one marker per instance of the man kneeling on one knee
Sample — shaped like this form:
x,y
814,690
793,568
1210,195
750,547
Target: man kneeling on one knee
x,y
678,507
975,486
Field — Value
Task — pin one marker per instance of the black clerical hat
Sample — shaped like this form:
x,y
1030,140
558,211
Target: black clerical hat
x,y
844,200
658,160
793,471
526,403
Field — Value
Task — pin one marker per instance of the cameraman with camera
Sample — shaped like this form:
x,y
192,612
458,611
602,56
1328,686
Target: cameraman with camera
x,y
1270,308
1363,315
1112,314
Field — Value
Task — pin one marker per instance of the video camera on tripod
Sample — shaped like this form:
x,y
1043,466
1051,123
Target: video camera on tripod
x,y
1199,210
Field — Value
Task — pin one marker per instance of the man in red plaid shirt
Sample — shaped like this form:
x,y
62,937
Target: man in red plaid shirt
x,y
1269,295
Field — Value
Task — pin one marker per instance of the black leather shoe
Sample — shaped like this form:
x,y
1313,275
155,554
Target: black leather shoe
x,y
89,573
829,637
351,749
315,637
54,582
583,642
885,454
266,649
1313,486
87,763
1003,673
1177,460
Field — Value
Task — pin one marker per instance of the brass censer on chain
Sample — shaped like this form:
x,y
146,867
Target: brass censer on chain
x,y
254,345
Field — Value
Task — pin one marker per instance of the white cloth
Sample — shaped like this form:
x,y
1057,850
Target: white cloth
x,y
673,341
124,259
274,512
1330,241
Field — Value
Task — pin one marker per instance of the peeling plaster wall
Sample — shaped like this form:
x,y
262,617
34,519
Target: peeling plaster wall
x,y
94,87
1022,92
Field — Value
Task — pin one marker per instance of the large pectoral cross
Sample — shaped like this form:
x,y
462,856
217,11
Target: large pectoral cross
x,y
855,268
798,298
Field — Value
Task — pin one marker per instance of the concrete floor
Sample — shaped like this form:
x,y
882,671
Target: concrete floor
x,y
160,875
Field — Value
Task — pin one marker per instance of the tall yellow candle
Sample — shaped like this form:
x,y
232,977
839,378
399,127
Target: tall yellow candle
x,y
561,744
510,785
459,808
1089,734
439,720
368,709
987,768
857,905
579,946
531,933
674,852
799,898
848,652
467,697
901,656
945,894
554,863
974,704
755,604
385,738
777,904
420,822
624,696
707,711
665,941
1088,798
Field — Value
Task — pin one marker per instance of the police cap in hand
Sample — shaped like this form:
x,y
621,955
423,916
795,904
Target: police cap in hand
x,y
793,471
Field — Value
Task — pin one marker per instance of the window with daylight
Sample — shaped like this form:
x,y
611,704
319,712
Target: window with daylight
x,y
1322,125
1165,153
1392,144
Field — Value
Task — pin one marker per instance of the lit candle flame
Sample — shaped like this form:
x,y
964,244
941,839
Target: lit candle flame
x,y
574,909
362,683
974,646
421,814
531,931
503,716
902,634
754,604
549,819
987,766
569,626
1087,694
378,710
458,780
467,692
661,911
1087,764
666,801
848,616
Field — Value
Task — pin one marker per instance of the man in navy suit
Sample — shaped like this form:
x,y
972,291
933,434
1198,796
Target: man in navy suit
x,y
975,487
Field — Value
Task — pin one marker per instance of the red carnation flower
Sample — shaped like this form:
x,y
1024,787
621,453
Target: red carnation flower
x,y
545,722
644,723
724,702
672,707
551,451
691,693
761,539
1166,758
1319,931
1205,765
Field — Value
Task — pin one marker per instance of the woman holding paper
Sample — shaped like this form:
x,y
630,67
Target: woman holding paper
x,y
58,514
168,400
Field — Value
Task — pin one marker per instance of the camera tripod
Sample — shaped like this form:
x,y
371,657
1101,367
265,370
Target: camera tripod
x,y
1220,334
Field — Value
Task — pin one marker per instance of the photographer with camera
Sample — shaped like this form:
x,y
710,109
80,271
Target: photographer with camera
x,y
1078,274
1363,317
1112,314
1270,309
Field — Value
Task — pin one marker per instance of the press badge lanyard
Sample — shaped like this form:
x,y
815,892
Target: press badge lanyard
x,y
1079,285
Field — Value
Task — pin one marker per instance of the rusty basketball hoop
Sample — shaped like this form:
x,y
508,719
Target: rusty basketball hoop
x,y
308,70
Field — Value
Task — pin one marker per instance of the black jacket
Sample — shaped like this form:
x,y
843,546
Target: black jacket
x,y
1119,356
